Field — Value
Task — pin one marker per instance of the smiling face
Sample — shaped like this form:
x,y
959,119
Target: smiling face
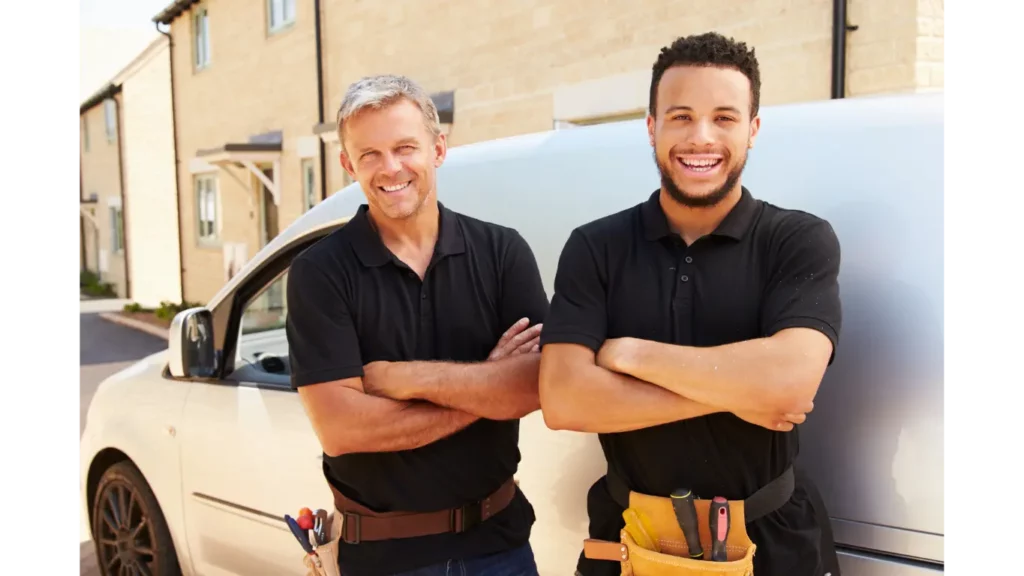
x,y
394,156
701,132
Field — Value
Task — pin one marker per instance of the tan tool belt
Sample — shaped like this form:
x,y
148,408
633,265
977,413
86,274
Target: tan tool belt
x,y
324,559
653,544
361,524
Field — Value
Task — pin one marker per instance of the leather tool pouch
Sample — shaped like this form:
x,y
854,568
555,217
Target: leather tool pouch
x,y
664,550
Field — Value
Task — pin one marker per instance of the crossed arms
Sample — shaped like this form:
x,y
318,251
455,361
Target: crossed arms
x,y
592,383
405,405
394,406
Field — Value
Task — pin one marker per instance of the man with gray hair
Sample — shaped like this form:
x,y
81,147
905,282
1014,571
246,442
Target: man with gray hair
x,y
413,334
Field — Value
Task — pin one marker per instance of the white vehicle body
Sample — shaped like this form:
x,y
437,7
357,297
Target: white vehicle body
x,y
227,459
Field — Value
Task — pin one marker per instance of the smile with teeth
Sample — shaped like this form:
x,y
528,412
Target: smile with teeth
x,y
700,164
395,188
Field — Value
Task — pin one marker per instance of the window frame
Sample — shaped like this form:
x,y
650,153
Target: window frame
x,y
227,312
200,32
116,229
110,119
308,183
85,132
207,183
286,22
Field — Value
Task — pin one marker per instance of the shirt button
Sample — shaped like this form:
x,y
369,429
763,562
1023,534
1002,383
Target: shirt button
x,y
685,278
423,295
689,260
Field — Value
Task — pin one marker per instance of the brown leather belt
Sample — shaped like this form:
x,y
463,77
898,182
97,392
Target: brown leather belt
x,y
364,525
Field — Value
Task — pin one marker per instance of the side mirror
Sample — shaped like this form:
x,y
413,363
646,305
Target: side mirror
x,y
190,344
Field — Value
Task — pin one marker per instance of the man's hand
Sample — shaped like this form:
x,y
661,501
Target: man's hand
x,y
518,339
774,422
377,383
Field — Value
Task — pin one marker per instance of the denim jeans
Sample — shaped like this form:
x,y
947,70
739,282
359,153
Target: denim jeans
x,y
517,562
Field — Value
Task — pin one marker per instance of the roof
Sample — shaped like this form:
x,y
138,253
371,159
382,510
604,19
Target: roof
x,y
175,9
107,91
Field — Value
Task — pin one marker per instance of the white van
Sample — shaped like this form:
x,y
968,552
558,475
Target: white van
x,y
216,461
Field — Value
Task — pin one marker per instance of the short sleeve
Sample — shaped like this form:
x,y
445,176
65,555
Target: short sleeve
x,y
578,312
322,341
522,290
803,285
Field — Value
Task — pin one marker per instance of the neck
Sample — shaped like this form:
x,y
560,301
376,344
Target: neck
x,y
692,223
418,231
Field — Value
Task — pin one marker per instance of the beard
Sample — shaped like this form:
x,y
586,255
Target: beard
x,y
702,201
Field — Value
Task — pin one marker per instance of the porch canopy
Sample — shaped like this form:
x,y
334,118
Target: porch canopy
x,y
247,155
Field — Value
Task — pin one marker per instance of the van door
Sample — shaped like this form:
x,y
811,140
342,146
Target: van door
x,y
250,456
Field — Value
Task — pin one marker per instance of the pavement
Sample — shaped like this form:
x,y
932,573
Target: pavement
x,y
105,349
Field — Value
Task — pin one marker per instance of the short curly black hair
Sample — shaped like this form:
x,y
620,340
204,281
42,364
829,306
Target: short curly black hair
x,y
708,49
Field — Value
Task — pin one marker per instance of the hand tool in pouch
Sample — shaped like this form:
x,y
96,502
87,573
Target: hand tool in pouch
x,y
320,527
719,520
640,529
686,515
301,535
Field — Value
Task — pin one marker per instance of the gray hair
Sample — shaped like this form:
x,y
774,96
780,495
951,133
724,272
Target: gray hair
x,y
379,91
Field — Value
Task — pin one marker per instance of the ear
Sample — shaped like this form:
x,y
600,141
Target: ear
x,y
755,127
440,150
346,163
650,129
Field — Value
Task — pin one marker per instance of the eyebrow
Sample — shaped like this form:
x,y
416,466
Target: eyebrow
x,y
409,140
689,109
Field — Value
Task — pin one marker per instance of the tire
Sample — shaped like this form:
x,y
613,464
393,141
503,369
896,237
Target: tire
x,y
128,528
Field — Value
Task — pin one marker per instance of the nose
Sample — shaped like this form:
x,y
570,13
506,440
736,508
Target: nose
x,y
702,134
391,165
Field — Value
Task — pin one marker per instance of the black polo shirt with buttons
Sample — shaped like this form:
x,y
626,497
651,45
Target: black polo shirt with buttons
x,y
762,270
352,302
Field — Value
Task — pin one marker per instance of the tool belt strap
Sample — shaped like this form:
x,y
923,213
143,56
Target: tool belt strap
x,y
768,499
361,524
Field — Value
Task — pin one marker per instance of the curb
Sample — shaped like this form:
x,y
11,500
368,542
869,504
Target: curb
x,y
137,325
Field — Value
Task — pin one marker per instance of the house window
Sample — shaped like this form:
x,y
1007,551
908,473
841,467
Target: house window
x,y
201,38
116,230
110,118
309,183
206,208
85,133
280,13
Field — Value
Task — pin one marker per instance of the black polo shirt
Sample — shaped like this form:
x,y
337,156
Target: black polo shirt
x,y
763,269
352,302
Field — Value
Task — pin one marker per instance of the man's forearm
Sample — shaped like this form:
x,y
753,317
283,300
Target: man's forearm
x,y
761,375
358,423
503,389
593,399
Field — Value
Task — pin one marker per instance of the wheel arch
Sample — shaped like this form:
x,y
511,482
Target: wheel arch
x,y
103,460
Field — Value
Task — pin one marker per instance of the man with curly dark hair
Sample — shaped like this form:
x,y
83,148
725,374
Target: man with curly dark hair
x,y
691,331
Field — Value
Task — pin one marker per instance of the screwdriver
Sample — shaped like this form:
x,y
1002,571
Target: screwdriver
x,y
719,520
686,515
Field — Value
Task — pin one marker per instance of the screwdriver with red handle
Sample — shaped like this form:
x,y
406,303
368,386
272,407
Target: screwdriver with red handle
x,y
719,520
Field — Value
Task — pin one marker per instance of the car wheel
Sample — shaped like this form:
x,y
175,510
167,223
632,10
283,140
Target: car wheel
x,y
128,527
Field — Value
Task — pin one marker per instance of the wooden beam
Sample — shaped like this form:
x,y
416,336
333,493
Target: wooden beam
x,y
271,185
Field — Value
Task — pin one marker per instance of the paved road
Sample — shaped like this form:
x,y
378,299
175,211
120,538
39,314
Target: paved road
x,y
106,348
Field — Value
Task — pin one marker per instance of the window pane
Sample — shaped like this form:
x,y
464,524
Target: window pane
x,y
276,13
289,10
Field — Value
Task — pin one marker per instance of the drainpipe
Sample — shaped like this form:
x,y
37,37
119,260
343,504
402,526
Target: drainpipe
x,y
839,30
320,98
177,162
124,203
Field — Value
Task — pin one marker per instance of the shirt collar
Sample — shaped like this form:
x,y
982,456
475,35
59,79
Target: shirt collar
x,y
734,225
371,249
